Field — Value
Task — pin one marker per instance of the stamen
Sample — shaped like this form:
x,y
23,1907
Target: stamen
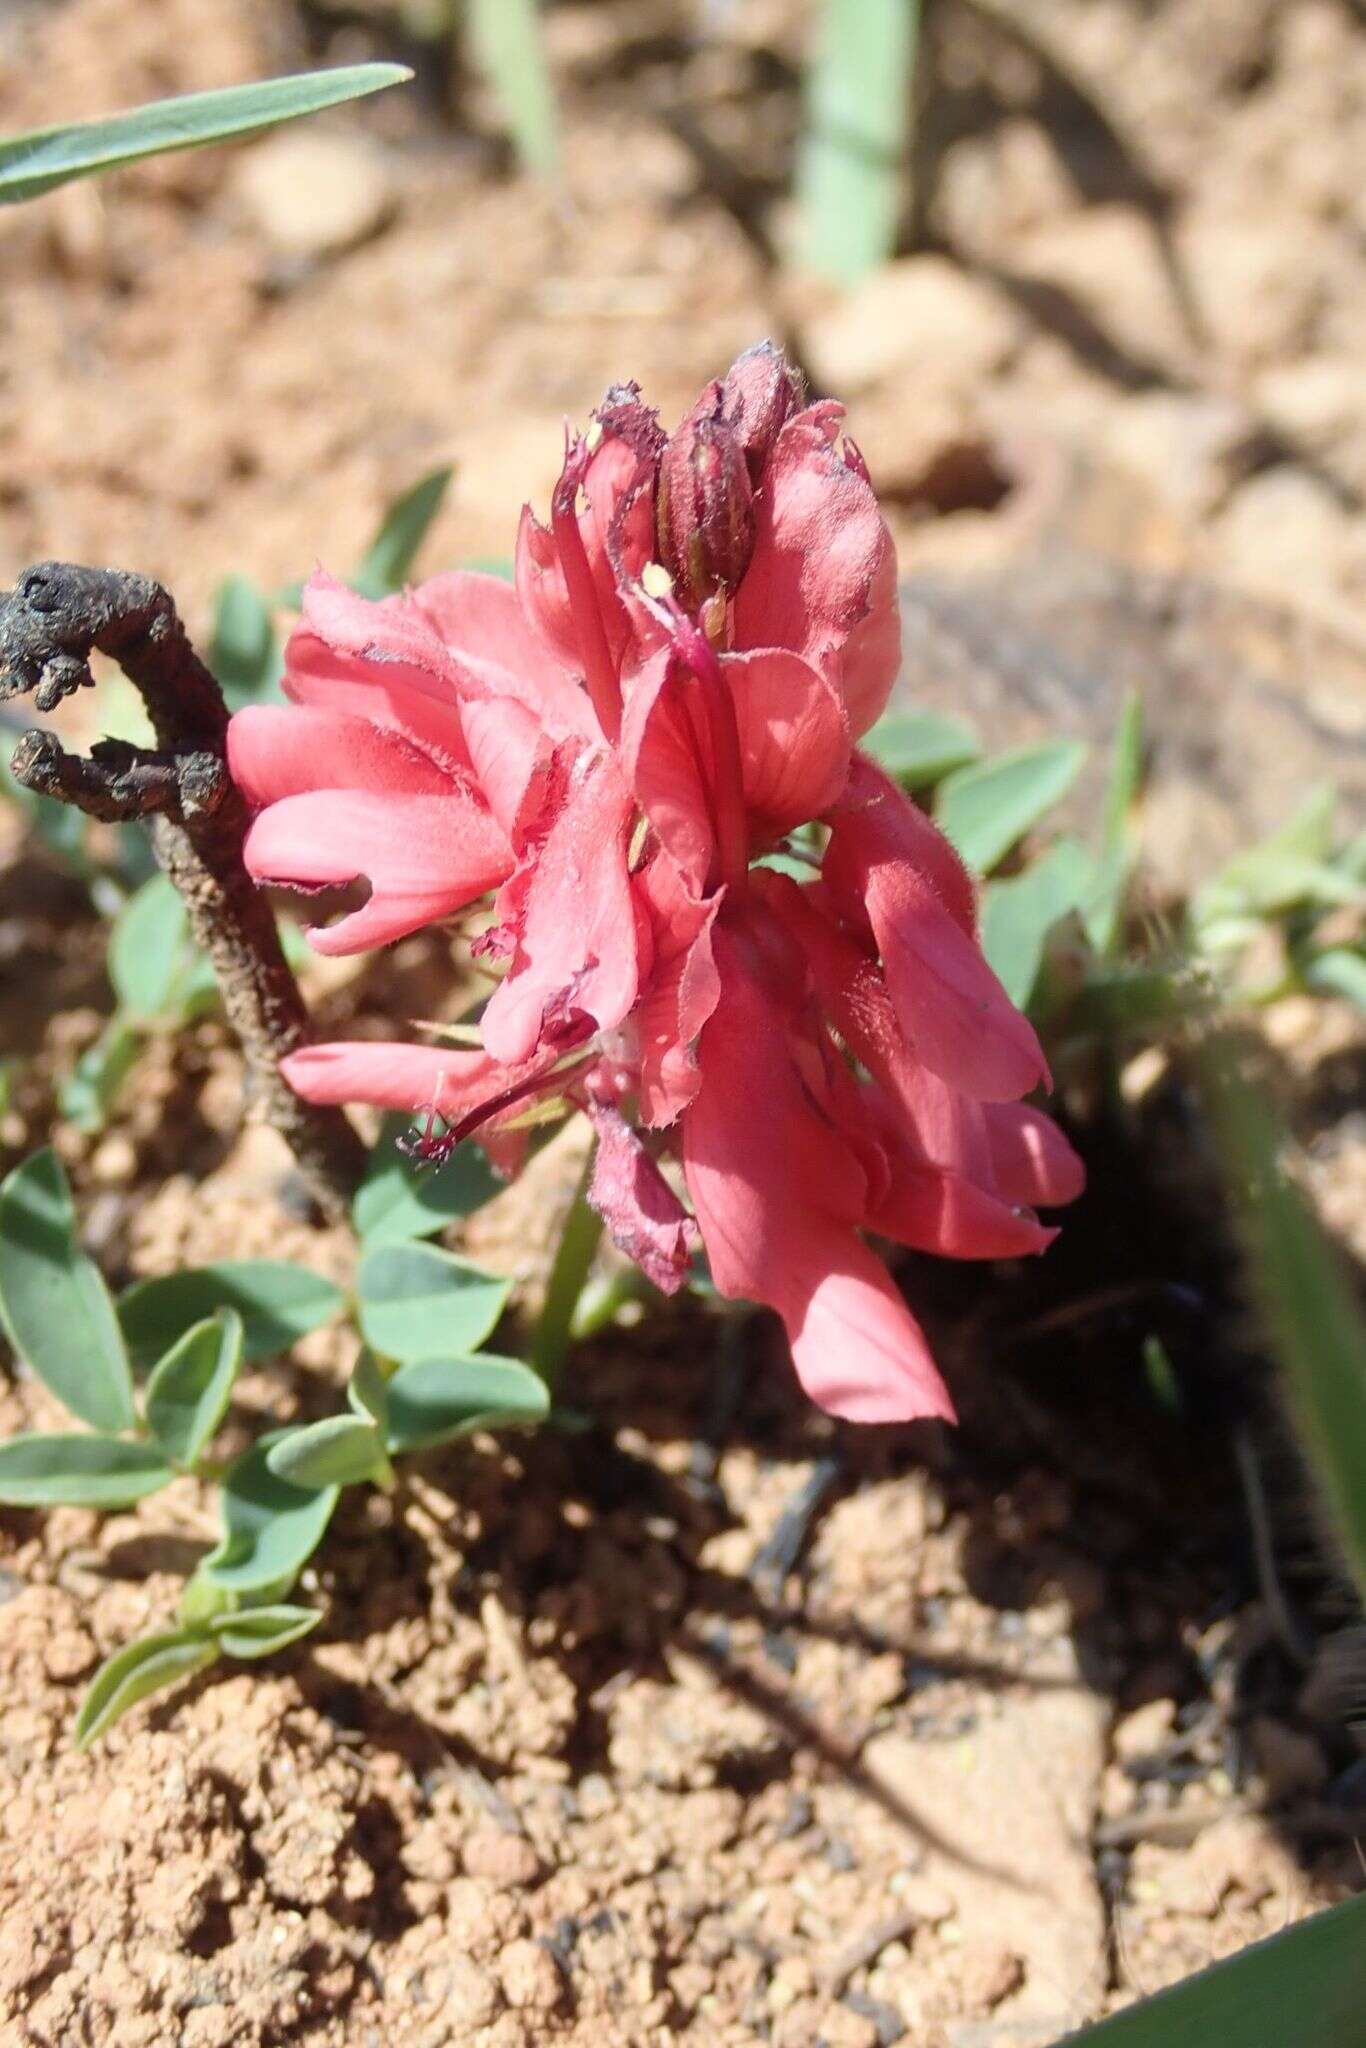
x,y
426,1148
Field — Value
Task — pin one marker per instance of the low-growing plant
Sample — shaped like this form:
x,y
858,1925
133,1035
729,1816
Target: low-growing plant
x,y
151,1376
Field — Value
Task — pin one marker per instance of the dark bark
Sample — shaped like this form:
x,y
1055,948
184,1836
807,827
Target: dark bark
x,y
49,624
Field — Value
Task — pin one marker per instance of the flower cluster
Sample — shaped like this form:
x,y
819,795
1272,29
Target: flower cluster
x,y
614,745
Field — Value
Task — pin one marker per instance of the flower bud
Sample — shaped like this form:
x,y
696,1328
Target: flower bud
x,y
705,509
761,391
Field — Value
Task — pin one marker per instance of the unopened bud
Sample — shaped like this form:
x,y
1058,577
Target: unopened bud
x,y
761,391
705,507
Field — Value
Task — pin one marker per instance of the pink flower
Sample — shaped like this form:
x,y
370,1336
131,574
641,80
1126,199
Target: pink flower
x,y
673,685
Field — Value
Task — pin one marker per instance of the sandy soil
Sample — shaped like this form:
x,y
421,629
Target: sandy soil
x,y
579,1754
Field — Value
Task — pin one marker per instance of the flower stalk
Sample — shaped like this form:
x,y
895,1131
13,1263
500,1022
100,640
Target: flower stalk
x,y
578,1247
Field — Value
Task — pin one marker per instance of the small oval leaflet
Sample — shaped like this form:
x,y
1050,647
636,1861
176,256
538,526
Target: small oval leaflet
x,y
343,1450
920,747
189,1391
986,807
53,1301
72,1469
260,1631
278,1304
438,1399
136,1670
419,1302
271,1528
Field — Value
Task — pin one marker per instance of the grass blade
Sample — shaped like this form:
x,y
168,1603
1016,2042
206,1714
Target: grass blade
x,y
1316,1327
507,48
1305,1988
852,166
35,163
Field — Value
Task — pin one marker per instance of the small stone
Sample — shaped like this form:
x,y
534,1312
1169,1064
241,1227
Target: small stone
x,y
530,1977
69,1655
503,1859
1145,1730
928,1901
987,1972
314,195
471,1998
114,1162
923,316
1285,533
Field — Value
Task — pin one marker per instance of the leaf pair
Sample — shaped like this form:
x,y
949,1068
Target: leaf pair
x,y
154,1662
190,1331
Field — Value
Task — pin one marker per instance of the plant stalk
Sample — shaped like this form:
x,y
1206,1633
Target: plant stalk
x,y
574,1258
50,623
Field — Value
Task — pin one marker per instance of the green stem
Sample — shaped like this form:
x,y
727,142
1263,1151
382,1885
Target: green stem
x,y
573,1260
602,1300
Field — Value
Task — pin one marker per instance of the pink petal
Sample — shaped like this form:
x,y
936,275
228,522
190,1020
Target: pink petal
x,y
277,750
794,738
390,694
643,1214
932,1210
505,744
886,866
777,1194
617,519
1032,1159
822,566
942,1126
425,857
577,942
678,997
794,750
383,629
450,1081
482,624
879,823
666,754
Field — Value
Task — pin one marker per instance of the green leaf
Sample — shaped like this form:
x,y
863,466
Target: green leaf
x,y
260,1631
507,47
985,808
398,1200
441,1398
92,1088
368,1389
244,653
1289,868
1018,914
919,747
393,550
419,1302
53,1301
343,1450
188,1393
1104,902
148,949
1304,1988
270,1527
278,1304
79,1471
852,164
35,163
1339,971
1308,1304
146,1666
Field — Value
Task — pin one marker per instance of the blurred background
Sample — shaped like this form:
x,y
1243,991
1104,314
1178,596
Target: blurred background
x,y
1090,268
1089,276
